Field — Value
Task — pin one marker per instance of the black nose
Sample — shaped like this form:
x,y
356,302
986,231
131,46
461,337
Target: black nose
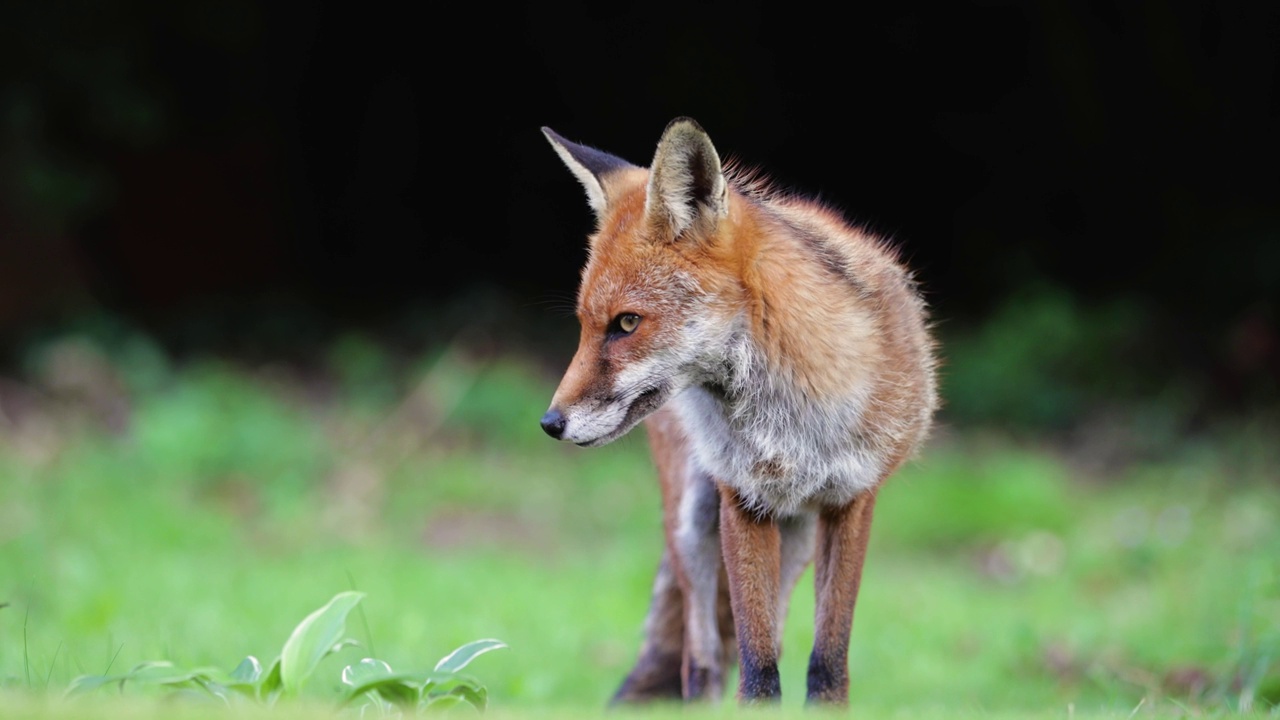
x,y
553,423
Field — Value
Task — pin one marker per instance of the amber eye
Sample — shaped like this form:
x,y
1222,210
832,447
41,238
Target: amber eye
x,y
624,324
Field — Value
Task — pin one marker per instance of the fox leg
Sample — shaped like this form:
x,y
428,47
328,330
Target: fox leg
x,y
684,650
728,636
752,559
796,552
842,547
696,540
656,675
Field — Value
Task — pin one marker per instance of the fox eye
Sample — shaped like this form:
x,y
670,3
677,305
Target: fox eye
x,y
624,324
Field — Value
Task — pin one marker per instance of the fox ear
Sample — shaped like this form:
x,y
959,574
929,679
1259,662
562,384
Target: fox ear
x,y
592,168
686,181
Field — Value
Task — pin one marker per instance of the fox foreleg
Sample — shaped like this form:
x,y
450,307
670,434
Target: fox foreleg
x,y
842,548
752,557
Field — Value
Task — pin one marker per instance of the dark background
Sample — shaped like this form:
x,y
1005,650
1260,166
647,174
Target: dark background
x,y
245,177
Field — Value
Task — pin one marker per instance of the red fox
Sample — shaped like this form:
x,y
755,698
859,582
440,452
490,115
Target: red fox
x,y
782,363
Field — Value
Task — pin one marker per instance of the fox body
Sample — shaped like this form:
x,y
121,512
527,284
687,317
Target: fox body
x,y
781,361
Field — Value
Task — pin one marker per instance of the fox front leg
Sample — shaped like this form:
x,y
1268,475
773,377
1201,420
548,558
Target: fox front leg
x,y
752,557
842,547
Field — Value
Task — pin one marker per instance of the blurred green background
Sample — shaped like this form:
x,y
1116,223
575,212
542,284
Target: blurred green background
x,y
285,289
195,510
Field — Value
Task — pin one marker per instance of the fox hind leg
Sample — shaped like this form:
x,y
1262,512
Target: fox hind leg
x,y
696,539
798,535
689,637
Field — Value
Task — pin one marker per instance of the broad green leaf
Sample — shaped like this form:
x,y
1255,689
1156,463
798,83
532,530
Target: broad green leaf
x,y
384,708
151,667
399,689
339,647
159,673
477,696
459,658
187,693
442,702
313,639
270,686
218,683
439,683
248,671
375,676
213,687
87,683
445,679
248,690
152,673
366,669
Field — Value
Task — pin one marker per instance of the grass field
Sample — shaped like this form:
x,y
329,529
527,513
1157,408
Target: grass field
x,y
196,513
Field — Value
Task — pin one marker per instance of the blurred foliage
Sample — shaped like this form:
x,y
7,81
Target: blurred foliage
x,y
1047,366
1041,361
148,505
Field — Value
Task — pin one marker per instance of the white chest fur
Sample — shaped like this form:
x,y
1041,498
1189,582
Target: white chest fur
x,y
782,452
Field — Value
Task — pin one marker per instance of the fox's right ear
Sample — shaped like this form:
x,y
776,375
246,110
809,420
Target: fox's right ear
x,y
592,168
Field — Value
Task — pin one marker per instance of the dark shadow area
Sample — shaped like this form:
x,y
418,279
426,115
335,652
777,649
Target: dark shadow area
x,y
256,178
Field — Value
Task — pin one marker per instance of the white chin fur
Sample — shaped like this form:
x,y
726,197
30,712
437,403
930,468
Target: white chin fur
x,y
593,429
648,382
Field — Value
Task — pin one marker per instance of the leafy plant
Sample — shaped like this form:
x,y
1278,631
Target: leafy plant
x,y
369,682
443,687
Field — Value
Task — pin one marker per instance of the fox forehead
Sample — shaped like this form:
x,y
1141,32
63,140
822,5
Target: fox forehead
x,y
640,280
628,270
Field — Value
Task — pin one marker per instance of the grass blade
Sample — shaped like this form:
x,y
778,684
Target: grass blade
x,y
26,652
52,663
113,659
368,635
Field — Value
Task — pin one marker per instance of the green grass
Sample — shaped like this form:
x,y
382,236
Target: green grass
x,y
1000,582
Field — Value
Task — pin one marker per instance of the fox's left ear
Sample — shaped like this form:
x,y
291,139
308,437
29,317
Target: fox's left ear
x,y
592,167
686,181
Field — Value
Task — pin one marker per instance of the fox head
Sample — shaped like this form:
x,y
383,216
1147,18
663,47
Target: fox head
x,y
658,301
